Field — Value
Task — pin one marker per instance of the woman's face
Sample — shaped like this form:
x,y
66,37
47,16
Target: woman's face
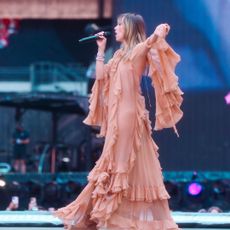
x,y
120,31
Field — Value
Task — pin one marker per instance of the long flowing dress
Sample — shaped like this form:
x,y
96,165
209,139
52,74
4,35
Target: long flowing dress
x,y
125,189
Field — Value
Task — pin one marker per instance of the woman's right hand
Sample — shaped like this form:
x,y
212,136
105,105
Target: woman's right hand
x,y
101,42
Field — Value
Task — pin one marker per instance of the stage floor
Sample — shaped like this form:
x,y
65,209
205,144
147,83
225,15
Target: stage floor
x,y
36,220
18,228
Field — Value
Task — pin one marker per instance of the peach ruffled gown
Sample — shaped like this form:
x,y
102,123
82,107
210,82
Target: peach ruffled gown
x,y
126,189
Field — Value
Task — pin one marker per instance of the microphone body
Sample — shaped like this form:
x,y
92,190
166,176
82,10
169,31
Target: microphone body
x,y
93,37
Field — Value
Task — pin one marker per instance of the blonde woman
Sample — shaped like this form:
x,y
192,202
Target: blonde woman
x,y
126,189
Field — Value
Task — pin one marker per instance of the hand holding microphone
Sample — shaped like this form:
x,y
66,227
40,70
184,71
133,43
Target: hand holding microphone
x,y
101,42
100,35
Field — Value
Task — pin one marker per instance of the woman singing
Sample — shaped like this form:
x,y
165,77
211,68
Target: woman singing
x,y
126,189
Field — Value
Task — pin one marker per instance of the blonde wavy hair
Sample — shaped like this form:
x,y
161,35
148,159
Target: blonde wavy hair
x,y
134,28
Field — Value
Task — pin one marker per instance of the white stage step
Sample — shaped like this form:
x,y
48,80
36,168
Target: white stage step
x,y
44,220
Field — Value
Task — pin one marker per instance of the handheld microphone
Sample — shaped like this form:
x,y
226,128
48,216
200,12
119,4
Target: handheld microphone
x,y
94,37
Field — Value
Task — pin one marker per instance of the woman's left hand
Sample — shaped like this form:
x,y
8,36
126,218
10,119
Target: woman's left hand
x,y
162,30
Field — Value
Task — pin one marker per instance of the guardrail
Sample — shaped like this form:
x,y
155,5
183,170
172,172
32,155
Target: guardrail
x,y
44,77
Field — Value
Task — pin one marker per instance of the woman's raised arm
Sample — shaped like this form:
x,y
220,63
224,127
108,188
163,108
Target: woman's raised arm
x,y
160,32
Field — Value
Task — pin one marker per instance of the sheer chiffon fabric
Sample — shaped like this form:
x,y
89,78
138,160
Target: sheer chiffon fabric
x,y
126,189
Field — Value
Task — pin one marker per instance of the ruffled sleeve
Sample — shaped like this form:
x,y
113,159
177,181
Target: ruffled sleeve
x,y
98,108
163,60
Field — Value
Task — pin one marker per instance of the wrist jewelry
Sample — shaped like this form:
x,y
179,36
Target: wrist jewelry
x,y
100,57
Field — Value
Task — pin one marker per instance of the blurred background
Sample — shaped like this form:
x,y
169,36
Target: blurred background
x,y
46,76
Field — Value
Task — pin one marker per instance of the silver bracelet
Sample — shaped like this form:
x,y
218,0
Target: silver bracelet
x,y
100,57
